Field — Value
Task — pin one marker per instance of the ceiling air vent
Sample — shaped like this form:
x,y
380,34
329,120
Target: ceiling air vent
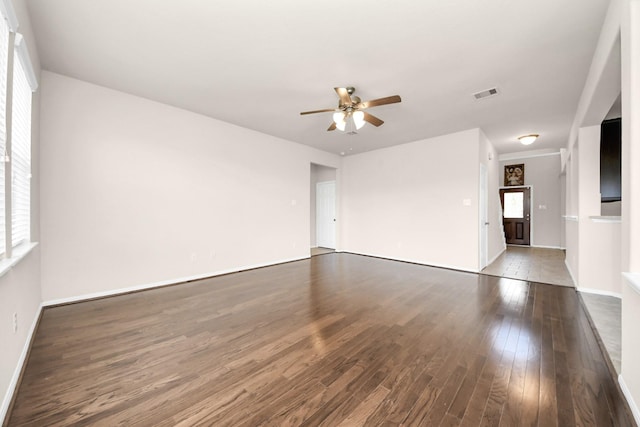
x,y
486,93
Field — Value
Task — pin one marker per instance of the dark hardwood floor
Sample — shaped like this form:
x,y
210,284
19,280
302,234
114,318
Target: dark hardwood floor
x,y
339,339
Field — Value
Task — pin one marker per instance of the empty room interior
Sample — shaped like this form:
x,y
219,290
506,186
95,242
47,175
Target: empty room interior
x,y
319,213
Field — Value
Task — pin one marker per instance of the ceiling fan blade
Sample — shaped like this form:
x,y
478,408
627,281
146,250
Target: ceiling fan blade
x,y
372,119
380,101
345,99
326,110
332,127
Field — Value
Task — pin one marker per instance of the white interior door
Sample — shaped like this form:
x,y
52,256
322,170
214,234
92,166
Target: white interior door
x,y
326,214
484,216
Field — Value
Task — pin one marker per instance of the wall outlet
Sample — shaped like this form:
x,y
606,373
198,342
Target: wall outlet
x,y
15,322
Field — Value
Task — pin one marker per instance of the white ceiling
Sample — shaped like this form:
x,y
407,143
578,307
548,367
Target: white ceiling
x,y
258,63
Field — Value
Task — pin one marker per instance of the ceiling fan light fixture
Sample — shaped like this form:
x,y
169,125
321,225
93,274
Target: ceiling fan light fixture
x,y
348,111
338,117
528,139
358,119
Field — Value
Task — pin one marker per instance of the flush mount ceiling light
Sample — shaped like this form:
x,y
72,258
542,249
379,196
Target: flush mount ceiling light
x,y
528,139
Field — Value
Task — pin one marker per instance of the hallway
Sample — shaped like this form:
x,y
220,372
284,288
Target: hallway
x,y
540,265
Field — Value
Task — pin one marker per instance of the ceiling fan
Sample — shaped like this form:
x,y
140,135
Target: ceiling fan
x,y
351,107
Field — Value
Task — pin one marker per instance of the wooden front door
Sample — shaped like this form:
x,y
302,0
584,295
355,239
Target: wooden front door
x,y
516,214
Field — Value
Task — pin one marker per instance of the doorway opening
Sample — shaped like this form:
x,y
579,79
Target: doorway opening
x,y
323,209
516,215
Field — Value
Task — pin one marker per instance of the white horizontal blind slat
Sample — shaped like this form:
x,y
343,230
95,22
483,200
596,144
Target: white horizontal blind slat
x,y
21,156
4,55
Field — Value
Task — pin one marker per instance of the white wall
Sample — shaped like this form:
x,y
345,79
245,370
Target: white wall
x,y
406,202
319,173
542,173
135,192
20,286
615,67
489,157
563,210
571,216
20,294
630,40
630,376
599,243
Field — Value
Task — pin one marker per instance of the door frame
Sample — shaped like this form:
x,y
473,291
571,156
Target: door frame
x,y
531,211
319,224
483,210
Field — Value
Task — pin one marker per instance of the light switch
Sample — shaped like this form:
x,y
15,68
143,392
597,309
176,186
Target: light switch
x,y
466,202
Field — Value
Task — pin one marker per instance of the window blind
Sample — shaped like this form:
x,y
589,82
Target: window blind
x,y
21,155
4,53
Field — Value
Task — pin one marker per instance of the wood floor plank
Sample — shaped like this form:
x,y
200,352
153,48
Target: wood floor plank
x,y
492,350
548,398
533,318
338,339
360,415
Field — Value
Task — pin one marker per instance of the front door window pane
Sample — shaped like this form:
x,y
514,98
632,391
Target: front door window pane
x,y
514,205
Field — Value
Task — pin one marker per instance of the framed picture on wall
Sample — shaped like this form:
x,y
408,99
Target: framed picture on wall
x,y
514,175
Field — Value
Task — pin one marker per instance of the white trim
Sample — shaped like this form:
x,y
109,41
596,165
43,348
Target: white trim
x,y
599,292
529,154
546,247
627,394
515,187
18,370
25,60
17,254
575,282
496,257
6,7
608,218
483,216
563,160
413,261
573,218
175,281
633,279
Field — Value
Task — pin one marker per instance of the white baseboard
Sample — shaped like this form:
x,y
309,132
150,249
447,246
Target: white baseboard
x,y
575,282
25,350
632,280
627,394
21,361
600,292
412,261
546,247
497,256
119,291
